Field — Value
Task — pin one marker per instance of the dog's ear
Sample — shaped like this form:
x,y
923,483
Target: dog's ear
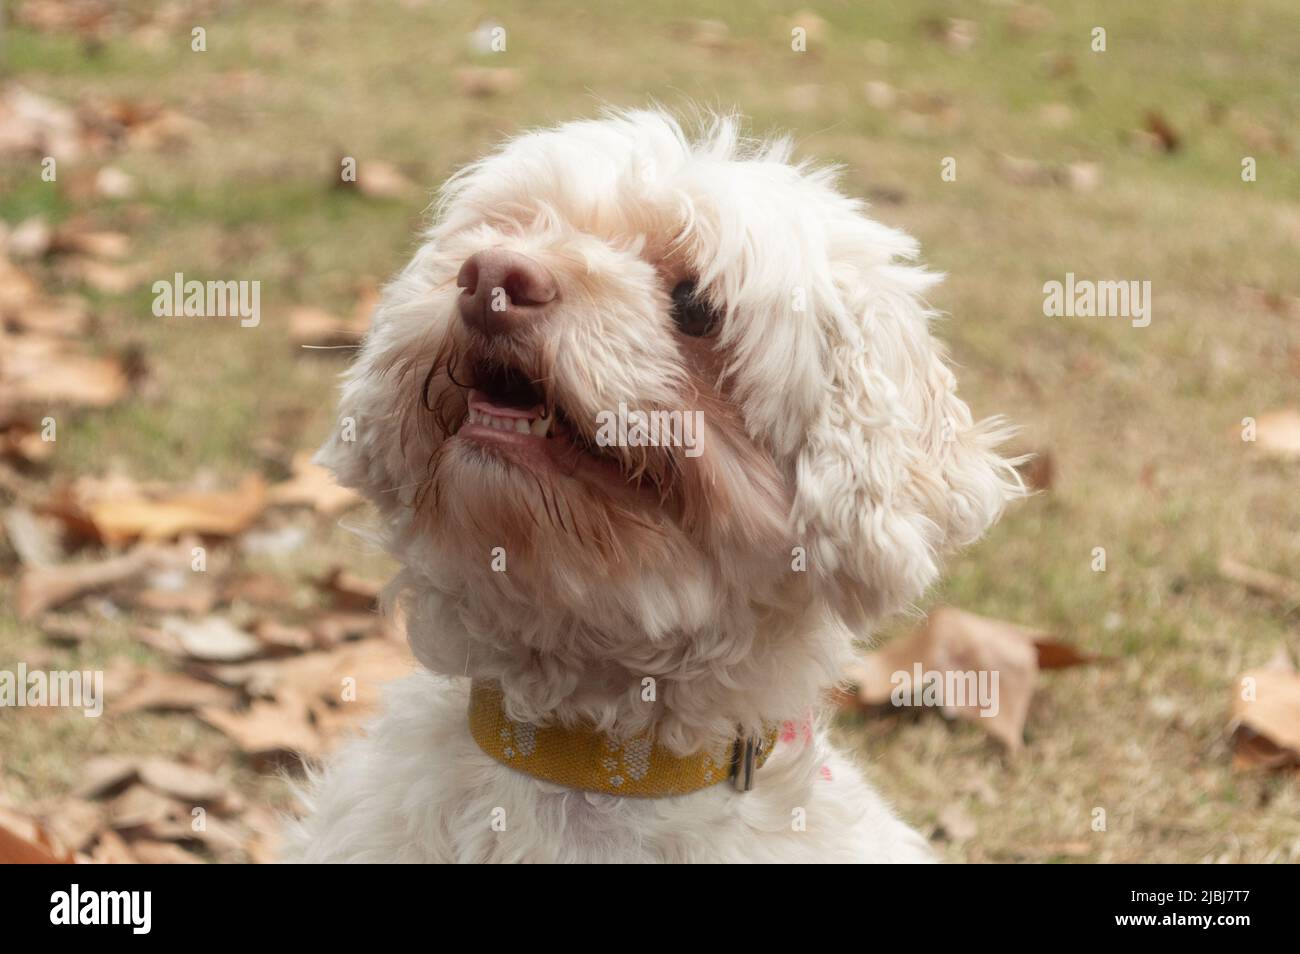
x,y
893,472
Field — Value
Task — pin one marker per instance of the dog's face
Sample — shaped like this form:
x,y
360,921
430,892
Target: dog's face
x,y
800,441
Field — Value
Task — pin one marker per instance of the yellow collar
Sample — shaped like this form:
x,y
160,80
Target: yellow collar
x,y
585,759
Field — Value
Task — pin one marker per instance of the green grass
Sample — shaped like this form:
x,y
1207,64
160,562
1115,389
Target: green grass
x,y
1140,422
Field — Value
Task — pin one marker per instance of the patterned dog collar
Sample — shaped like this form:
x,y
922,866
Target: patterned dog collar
x,y
591,761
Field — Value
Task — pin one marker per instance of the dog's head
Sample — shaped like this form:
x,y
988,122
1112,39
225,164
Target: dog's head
x,y
646,380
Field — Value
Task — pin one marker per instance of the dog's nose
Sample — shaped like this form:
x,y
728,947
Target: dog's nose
x,y
502,290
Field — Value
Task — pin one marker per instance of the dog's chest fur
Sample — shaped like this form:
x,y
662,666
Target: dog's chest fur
x,y
418,789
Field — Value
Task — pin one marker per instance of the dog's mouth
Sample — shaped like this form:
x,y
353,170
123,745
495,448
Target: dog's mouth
x,y
507,408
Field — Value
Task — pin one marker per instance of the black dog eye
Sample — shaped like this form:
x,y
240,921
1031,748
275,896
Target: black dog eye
x,y
693,315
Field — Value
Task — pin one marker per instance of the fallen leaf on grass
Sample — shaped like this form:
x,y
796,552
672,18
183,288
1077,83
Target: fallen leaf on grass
x,y
191,785
17,289
69,628
21,441
956,824
26,842
1039,472
30,239
103,277
45,587
73,822
34,539
112,849
38,370
96,244
212,639
1266,717
313,486
33,126
1159,127
281,638
269,729
67,316
1285,591
157,691
130,514
485,81
377,179
106,775
955,642
138,807
351,592
315,327
1277,433
357,669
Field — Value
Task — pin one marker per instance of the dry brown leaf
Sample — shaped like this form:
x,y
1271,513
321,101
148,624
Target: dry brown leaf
x,y
1286,591
73,822
378,179
313,486
34,539
263,846
211,639
319,328
139,807
103,277
283,638
26,842
37,370
955,641
131,514
96,244
17,289
196,599
67,316
1266,717
106,775
1159,127
366,667
191,785
30,239
45,587
20,440
171,692
112,849
259,589
351,592
486,80
33,126
956,824
269,729
1277,433
1039,472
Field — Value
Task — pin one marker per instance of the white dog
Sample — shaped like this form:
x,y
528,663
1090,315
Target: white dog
x,y
650,612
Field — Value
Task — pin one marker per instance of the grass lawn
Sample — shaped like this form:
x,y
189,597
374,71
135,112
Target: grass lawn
x,y
1142,425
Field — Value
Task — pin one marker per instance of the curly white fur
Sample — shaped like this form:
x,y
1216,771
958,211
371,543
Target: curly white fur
x,y
839,467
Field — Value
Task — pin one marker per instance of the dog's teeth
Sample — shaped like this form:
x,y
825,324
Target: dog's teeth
x,y
540,426
521,425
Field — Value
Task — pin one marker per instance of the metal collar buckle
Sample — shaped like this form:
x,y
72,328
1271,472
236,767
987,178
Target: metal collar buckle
x,y
744,759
